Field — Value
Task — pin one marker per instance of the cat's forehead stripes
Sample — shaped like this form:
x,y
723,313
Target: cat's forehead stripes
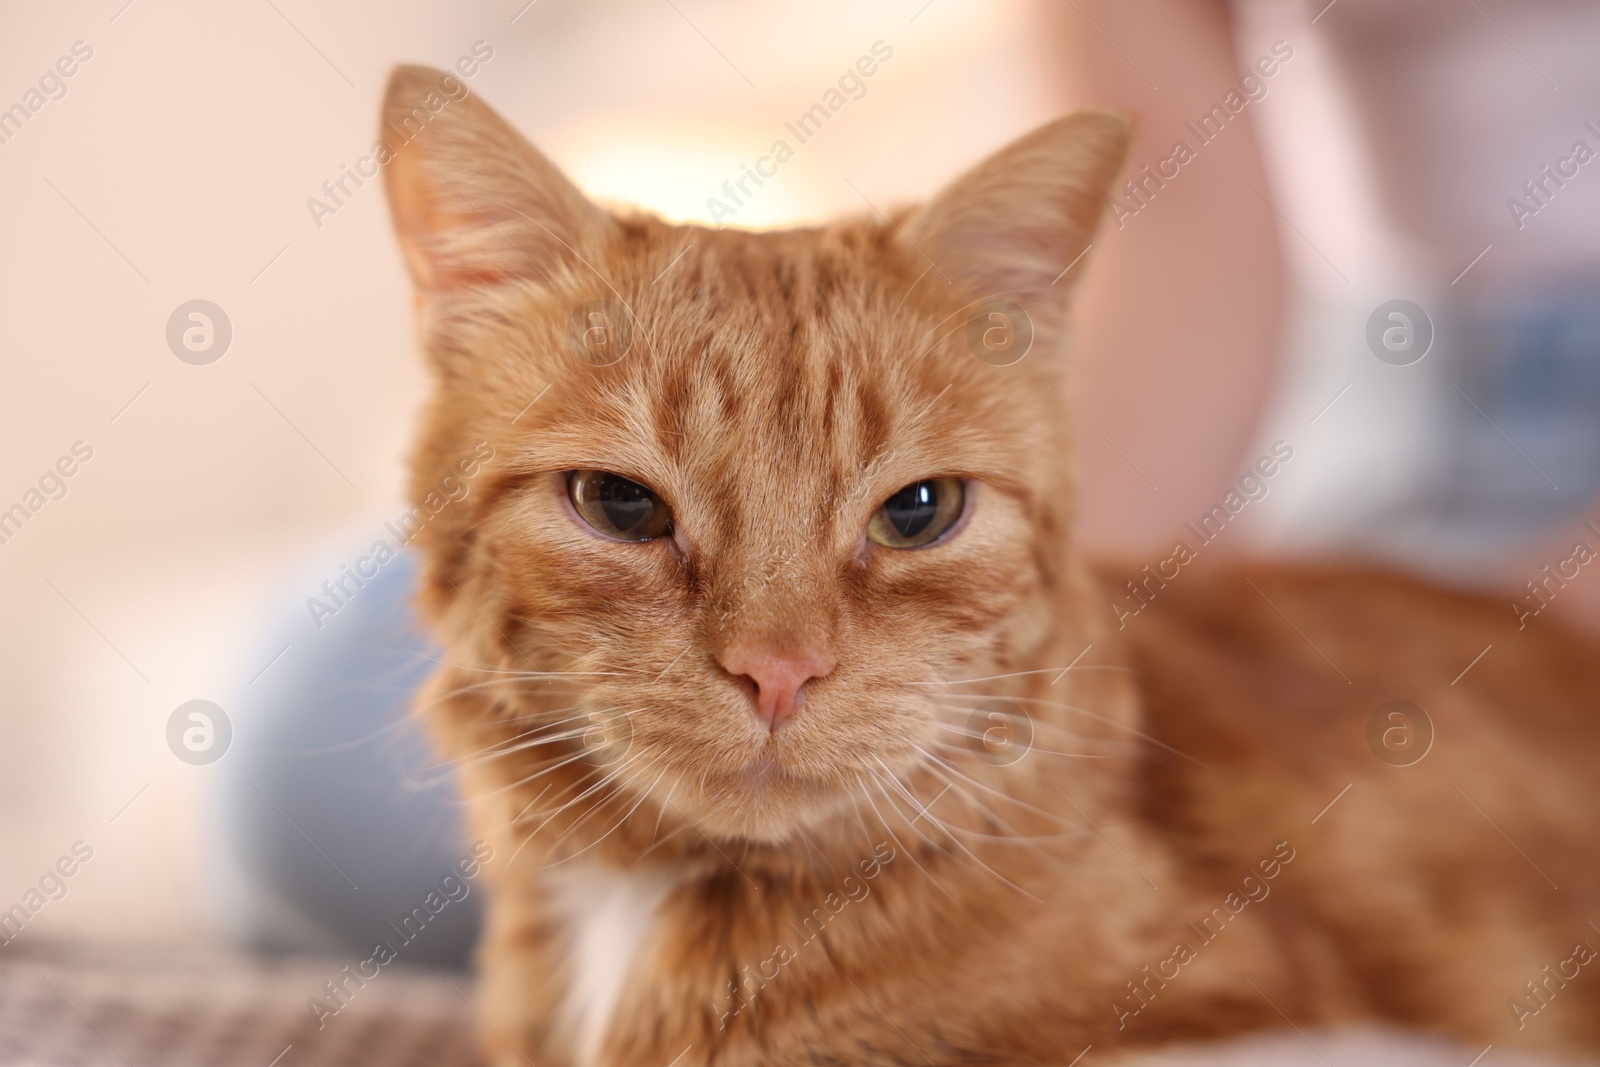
x,y
773,386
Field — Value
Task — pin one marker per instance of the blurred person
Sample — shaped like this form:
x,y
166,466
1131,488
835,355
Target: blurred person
x,y
1418,150
1442,161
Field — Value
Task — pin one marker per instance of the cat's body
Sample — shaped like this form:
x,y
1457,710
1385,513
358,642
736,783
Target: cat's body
x,y
1429,886
738,774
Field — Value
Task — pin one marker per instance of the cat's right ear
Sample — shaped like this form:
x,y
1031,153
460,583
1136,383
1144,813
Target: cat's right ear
x,y
1013,225
473,203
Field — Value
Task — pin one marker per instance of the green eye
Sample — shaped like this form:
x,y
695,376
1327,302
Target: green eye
x,y
919,514
618,507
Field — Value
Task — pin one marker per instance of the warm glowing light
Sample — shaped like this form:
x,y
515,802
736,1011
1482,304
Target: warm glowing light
x,y
674,173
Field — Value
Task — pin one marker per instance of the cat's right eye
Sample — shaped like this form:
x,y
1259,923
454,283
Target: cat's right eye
x,y
919,514
617,506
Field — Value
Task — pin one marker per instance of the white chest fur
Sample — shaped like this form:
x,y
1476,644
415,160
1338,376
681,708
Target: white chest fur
x,y
609,914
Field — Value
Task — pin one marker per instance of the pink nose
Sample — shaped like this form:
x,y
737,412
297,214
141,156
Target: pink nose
x,y
777,678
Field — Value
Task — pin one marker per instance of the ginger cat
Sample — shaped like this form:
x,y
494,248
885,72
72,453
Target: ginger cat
x,y
801,729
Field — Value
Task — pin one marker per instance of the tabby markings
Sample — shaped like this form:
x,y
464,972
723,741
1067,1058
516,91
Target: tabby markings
x,y
1251,889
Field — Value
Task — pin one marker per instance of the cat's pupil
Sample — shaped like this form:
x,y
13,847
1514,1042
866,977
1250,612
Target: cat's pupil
x,y
625,503
913,508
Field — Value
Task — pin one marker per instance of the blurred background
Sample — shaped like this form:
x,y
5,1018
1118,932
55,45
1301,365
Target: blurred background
x,y
1344,163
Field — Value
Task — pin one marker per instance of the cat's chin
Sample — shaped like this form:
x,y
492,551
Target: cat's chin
x,y
761,774
767,803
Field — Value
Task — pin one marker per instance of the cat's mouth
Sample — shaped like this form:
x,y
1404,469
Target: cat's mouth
x,y
765,801
769,778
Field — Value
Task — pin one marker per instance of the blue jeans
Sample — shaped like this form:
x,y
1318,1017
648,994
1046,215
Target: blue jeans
x,y
334,822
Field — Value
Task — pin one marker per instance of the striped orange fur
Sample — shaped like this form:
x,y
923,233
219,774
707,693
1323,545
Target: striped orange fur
x,y
996,828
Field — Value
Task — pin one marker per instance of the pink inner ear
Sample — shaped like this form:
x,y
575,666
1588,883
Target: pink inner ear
x,y
1017,220
427,228
474,203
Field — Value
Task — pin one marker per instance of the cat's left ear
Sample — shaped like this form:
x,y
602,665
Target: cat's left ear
x,y
1011,226
473,202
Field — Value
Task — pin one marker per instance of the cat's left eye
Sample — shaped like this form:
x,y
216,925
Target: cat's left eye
x,y
618,507
918,514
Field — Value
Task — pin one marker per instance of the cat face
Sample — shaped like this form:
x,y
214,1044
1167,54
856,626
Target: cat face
x,y
754,497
